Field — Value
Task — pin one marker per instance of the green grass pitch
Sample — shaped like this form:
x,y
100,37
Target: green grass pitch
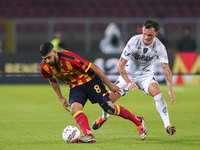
x,y
32,118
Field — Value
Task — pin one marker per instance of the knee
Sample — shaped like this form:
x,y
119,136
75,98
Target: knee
x,y
75,107
107,108
72,111
154,90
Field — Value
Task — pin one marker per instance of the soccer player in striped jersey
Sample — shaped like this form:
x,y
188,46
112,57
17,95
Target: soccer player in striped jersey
x,y
84,80
136,71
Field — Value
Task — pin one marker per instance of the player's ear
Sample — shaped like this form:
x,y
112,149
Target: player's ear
x,y
54,51
156,33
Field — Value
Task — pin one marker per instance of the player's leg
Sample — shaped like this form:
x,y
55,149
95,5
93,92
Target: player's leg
x,y
98,93
160,103
114,96
161,106
81,118
126,114
100,121
77,100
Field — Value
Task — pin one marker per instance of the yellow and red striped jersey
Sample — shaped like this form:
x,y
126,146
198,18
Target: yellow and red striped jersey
x,y
71,69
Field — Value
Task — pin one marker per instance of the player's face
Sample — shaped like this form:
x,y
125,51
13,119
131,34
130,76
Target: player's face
x,y
148,35
51,58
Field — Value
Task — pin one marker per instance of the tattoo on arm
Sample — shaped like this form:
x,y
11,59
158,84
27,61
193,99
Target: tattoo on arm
x,y
122,71
165,65
166,72
121,63
123,75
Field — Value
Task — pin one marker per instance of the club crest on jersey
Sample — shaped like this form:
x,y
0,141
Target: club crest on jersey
x,y
63,67
145,50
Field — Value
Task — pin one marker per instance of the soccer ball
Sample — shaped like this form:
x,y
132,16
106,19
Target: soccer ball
x,y
71,133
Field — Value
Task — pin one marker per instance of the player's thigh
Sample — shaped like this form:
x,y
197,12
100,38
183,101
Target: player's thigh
x,y
144,82
114,96
77,95
96,91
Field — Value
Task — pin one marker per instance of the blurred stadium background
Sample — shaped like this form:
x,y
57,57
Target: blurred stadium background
x,y
26,24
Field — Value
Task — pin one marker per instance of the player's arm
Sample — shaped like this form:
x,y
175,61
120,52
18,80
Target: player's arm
x,y
168,78
124,75
54,83
100,73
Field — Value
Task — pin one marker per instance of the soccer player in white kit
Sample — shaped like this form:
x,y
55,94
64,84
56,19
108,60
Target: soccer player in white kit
x,y
136,71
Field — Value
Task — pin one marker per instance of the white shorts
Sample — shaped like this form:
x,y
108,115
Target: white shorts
x,y
142,82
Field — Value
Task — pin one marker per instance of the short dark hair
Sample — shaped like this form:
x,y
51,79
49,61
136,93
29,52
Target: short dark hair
x,y
46,48
151,24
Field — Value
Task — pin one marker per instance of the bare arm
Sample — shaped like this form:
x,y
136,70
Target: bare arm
x,y
124,75
54,83
100,73
168,78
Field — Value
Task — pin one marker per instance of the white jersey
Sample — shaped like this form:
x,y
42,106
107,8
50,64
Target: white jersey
x,y
141,57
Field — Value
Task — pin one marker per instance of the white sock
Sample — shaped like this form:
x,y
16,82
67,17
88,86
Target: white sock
x,y
162,109
105,115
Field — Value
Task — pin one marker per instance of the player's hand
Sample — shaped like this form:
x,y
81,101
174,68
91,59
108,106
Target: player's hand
x,y
132,86
114,88
64,103
172,97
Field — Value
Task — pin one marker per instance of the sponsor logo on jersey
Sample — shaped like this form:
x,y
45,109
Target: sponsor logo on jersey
x,y
142,57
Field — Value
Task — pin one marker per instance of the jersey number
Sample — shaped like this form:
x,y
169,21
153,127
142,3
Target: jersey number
x,y
97,88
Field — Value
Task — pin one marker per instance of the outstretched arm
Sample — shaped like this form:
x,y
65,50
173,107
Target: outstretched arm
x,y
124,75
168,78
54,83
